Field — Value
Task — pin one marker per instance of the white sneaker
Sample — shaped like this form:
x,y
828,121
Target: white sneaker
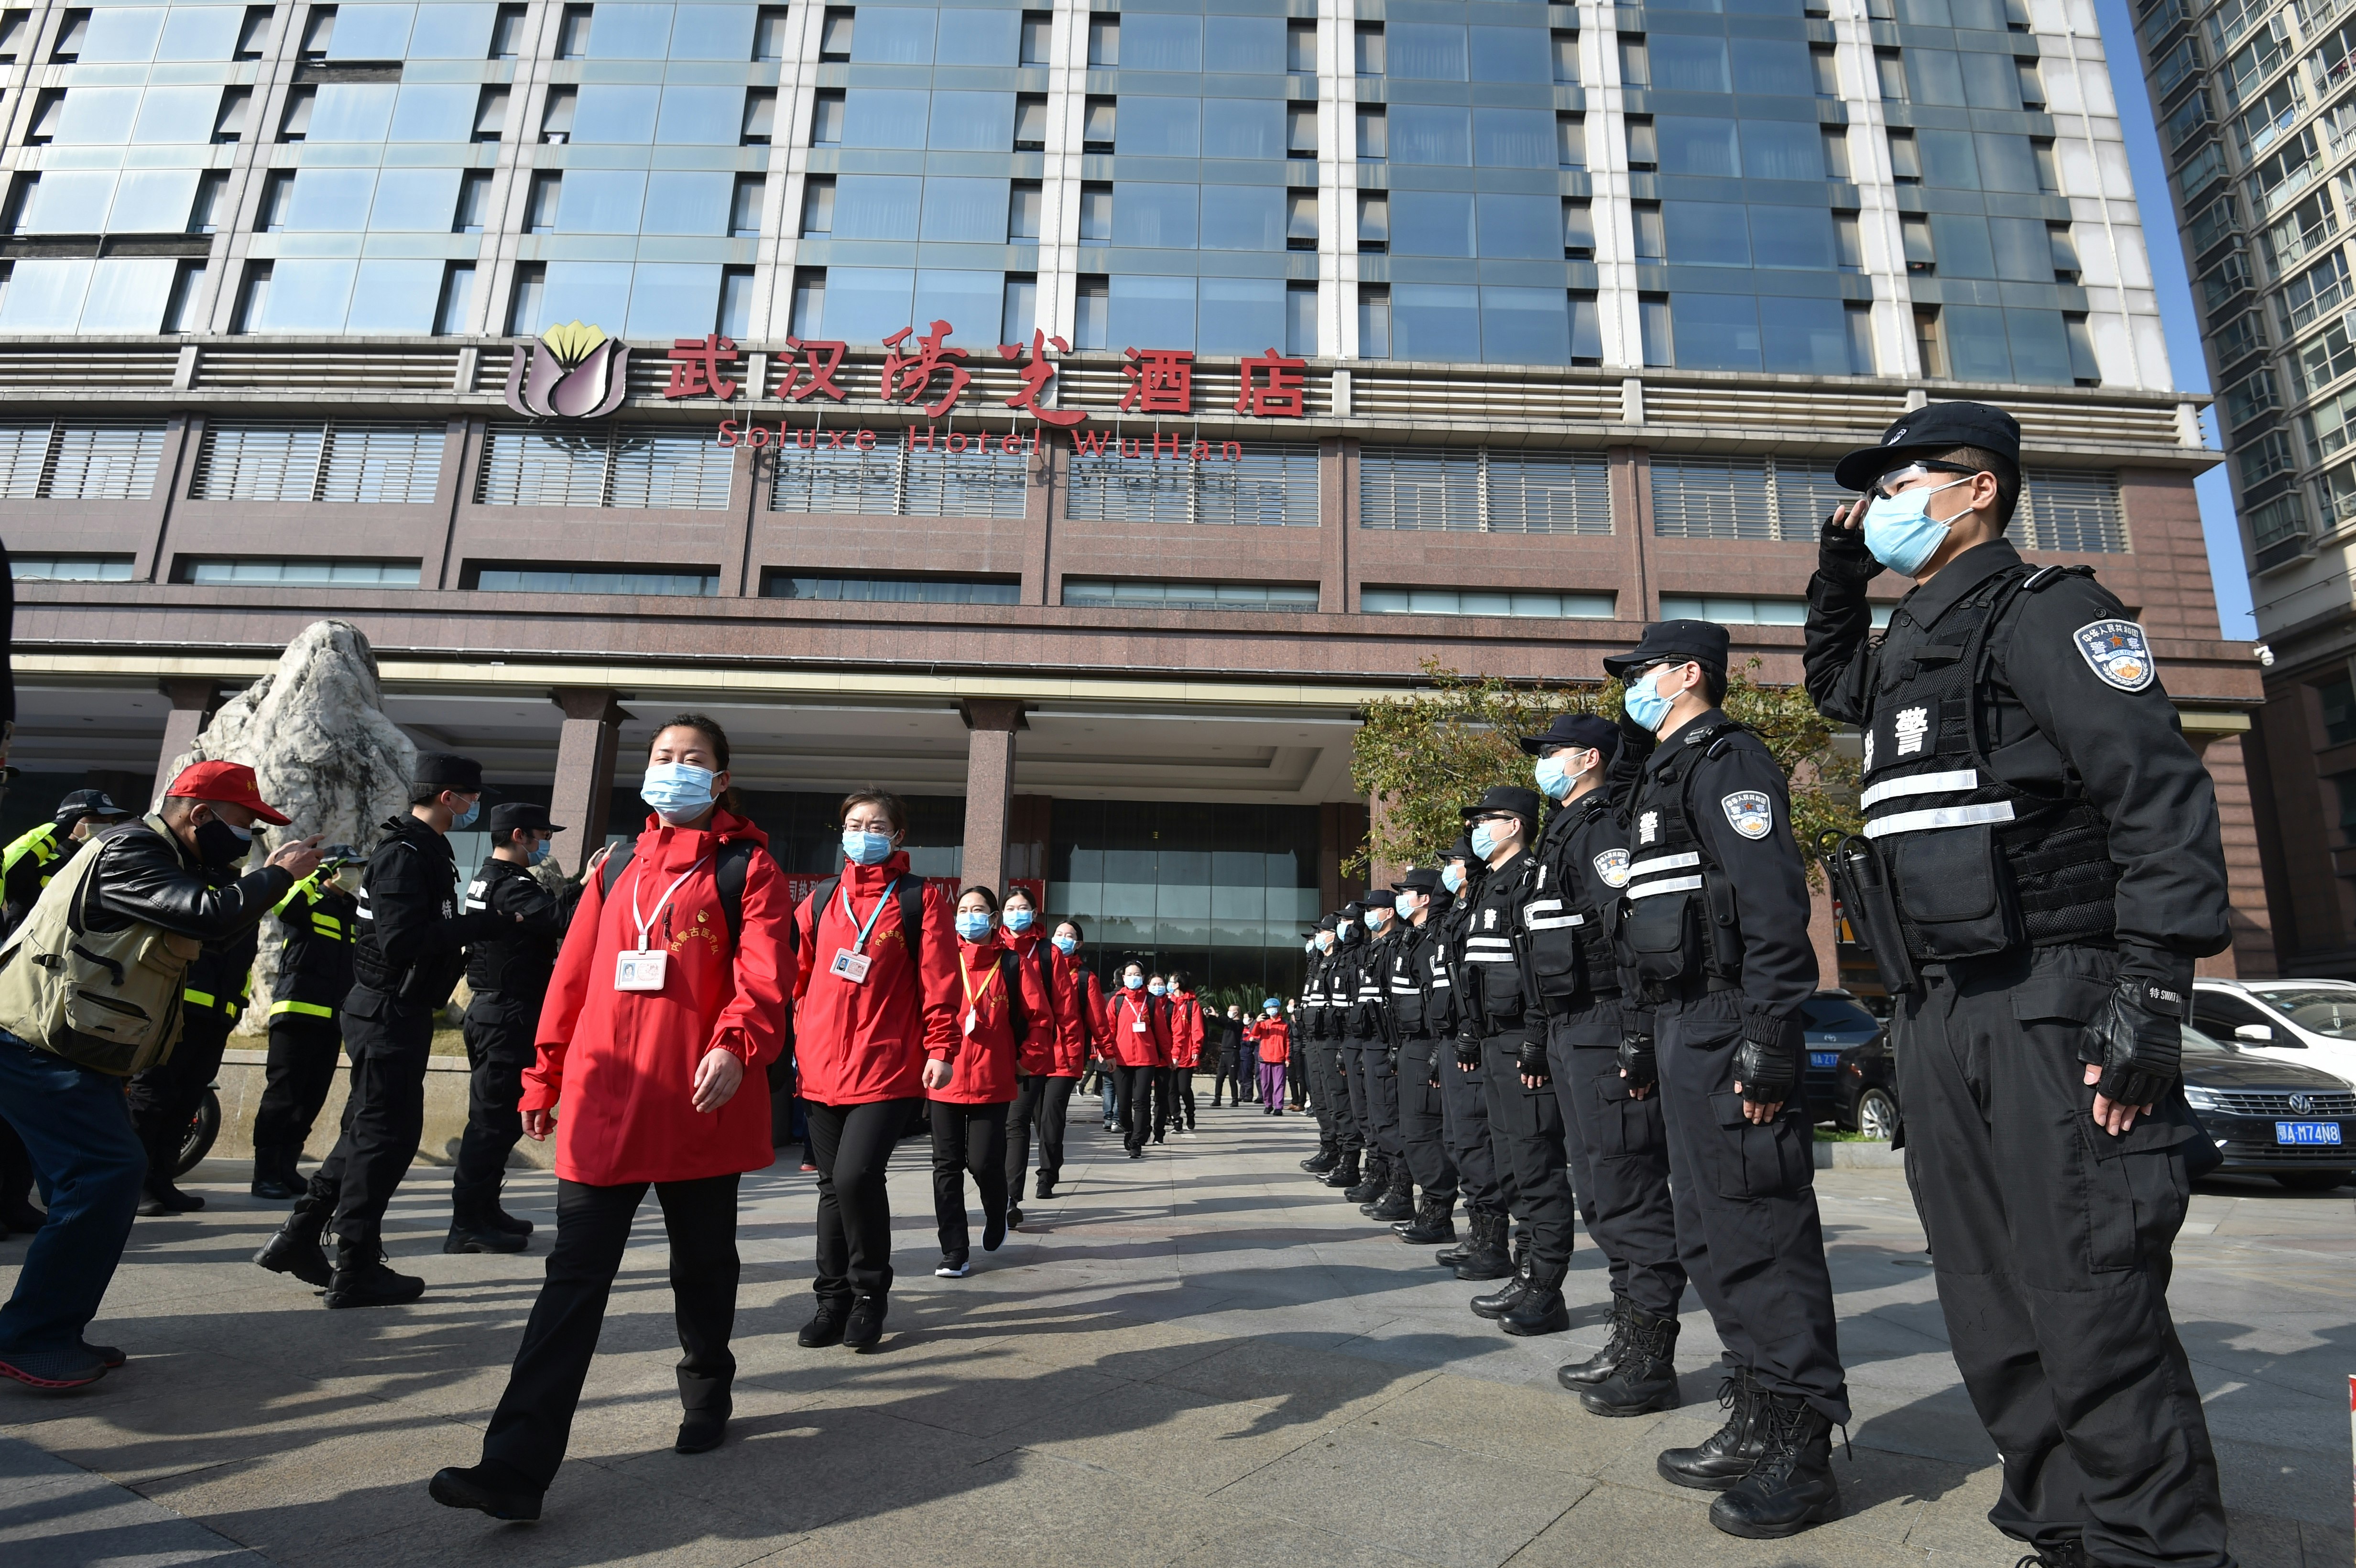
x,y
952,1269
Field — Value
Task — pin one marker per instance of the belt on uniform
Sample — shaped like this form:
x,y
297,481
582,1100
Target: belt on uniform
x,y
308,1009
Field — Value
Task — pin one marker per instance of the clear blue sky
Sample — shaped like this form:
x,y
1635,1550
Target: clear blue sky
x,y
2226,562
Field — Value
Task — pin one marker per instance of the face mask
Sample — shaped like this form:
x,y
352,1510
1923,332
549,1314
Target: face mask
x,y
464,819
1900,534
1452,877
862,848
1019,919
1484,843
1158,989
219,844
1404,906
1646,706
1324,940
1270,1010
1134,982
1310,946
676,789
973,924
539,853
1066,946
1374,920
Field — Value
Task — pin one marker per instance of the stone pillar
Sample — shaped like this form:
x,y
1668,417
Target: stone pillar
x,y
990,723
193,700
1029,819
584,771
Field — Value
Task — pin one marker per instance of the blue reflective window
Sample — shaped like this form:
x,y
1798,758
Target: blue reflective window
x,y
1706,234
127,294
393,296
596,291
1792,237
1435,320
370,32
1716,332
1774,65
1240,316
2024,249
334,201
882,117
2041,346
1525,326
1522,226
1241,127
1586,327
202,33
1160,43
98,116
967,210
1514,138
977,38
972,121
1243,217
154,201
69,201
1948,159
414,200
876,207
1691,146
700,116
1254,43
1512,54
179,114
1683,63
601,201
1803,336
1149,311
1991,81
121,32
449,32
1933,76
1976,349
1960,240
606,112
704,33
674,299
351,112
1431,133
892,34
867,304
620,32
308,296
1426,52
1154,214
2007,162
1432,223
688,202
44,295
432,112
1159,127
973,303
1783,150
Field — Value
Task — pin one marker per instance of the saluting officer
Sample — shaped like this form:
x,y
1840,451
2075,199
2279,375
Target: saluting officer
x,y
2040,867
1487,1182
1714,931
1309,1045
1421,1008
507,974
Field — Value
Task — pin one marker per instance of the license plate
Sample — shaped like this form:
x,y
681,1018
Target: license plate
x,y
1824,1059
2308,1134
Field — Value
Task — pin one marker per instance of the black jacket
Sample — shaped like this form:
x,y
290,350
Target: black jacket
x,y
412,938
150,878
508,972
317,924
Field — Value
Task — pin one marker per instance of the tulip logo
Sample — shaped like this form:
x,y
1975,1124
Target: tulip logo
x,y
572,372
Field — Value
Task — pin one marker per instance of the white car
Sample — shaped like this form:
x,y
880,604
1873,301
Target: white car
x,y
2311,1022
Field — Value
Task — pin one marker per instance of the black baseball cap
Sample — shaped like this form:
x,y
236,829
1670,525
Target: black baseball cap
x,y
1926,433
1522,803
1422,879
1703,642
87,803
448,770
516,814
1584,730
1462,849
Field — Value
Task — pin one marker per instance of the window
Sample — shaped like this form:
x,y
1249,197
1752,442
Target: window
x,y
1375,600
556,114
1104,43
769,34
1300,220
2337,699
253,33
1652,326
926,589
1030,123
1272,484
523,303
236,109
453,310
744,202
808,317
1914,238
1096,214
1905,158
295,123
1019,311
1635,61
1300,131
2085,367
573,33
1301,49
310,461
1483,490
1848,242
541,206
277,196
827,115
760,116
618,465
1826,68
653,582
1099,125
1147,593
1643,143
1578,229
2346,786
2264,458
1038,33
1929,342
1301,338
1652,238
1836,147
1586,329
1374,321
1740,498
909,474
491,115
1565,58
342,571
1369,55
1374,134
2073,511
1745,611
734,319
507,33
2318,289
1889,75
79,460
69,568
180,306
1571,141
1024,201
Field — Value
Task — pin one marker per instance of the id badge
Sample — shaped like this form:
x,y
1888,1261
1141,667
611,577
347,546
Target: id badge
x,y
1138,1027
972,1019
640,971
850,965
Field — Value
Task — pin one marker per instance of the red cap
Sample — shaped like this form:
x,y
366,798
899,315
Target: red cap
x,y
232,783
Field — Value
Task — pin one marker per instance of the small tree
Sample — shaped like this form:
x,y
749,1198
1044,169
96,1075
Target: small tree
x,y
1421,758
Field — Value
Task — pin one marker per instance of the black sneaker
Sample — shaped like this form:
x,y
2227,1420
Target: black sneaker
x,y
953,1268
54,1372
478,1236
484,1490
824,1327
993,1230
1013,1219
867,1325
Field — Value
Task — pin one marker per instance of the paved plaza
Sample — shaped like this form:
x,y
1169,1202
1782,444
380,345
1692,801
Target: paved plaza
x,y
1197,1359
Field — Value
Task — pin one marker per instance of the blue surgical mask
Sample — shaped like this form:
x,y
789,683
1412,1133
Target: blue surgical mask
x,y
1484,843
1404,906
1452,877
677,790
973,924
1645,706
865,849
1066,946
539,853
1310,946
1158,989
1019,919
464,819
1134,982
1899,533
1374,920
1554,778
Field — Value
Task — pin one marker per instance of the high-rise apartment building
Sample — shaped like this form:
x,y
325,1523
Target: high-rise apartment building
x,y
1089,410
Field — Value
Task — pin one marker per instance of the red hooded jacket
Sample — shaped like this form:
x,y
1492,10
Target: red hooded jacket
x,y
857,1042
1148,1046
985,1066
1271,1036
1186,1028
1082,1022
618,1067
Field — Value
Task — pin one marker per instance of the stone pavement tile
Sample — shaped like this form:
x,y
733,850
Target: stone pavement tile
x,y
1314,1384
1189,1443
1616,1526
1114,1344
1419,1497
1542,1427
1256,1540
57,1515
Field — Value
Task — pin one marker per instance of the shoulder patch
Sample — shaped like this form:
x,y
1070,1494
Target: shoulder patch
x,y
1748,812
2118,652
1612,866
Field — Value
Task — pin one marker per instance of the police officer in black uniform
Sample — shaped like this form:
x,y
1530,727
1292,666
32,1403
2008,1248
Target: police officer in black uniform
x,y
1421,1005
409,954
2040,867
508,976
1487,1182
1714,931
1308,1046
1328,1052
1374,1097
317,926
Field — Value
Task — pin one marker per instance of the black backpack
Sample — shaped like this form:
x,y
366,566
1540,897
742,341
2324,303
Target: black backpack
x,y
734,856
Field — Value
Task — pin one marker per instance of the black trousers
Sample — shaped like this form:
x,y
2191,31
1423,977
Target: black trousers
x,y
1383,1102
1422,1139
1329,1059
1353,1060
1041,1105
384,1115
851,1146
164,1098
1621,1156
2051,1241
498,1051
1464,1128
967,1138
1526,1128
300,1070
1136,1097
1747,1230
1182,1097
534,1420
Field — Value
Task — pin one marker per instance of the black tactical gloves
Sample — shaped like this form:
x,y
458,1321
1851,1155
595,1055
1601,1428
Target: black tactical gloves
x,y
1841,555
1468,1051
1530,1057
2137,1039
1638,1065
1767,1062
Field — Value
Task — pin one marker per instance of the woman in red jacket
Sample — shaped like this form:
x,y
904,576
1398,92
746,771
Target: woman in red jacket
x,y
1273,1036
1139,1028
875,1029
1185,1050
1052,1069
1002,1005
668,996
1019,933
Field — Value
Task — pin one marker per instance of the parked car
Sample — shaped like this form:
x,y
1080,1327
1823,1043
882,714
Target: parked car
x,y
2310,1022
2271,1117
1850,1079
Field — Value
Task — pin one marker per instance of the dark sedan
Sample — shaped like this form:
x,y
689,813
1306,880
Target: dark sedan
x,y
2271,1117
1850,1079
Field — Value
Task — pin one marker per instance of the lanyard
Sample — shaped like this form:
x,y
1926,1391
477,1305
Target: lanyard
x,y
852,914
972,997
645,922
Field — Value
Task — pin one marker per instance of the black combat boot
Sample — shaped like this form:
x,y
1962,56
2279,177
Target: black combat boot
x,y
1326,1158
1645,1380
1540,1309
1373,1184
1485,1258
472,1228
1726,1455
1500,1301
363,1280
1396,1201
1577,1375
498,1219
1792,1486
1450,1258
1345,1175
295,1248
488,1488
1435,1220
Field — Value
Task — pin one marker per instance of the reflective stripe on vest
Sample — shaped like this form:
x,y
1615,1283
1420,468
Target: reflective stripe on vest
x,y
1939,817
309,1009
1488,950
1552,919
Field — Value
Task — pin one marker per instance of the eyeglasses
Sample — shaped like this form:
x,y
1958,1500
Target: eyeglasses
x,y
1897,479
1497,816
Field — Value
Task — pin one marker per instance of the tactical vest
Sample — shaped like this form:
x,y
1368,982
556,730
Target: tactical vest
x,y
429,981
507,966
315,959
1562,921
1976,865
1419,981
1677,926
